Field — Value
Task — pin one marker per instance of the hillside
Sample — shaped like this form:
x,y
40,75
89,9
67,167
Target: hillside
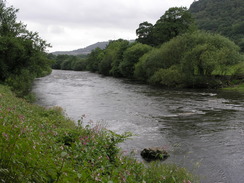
x,y
221,16
83,51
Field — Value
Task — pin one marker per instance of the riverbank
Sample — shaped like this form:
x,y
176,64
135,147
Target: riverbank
x,y
238,88
42,145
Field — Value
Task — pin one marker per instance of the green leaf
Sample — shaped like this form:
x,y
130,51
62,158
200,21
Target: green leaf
x,y
63,154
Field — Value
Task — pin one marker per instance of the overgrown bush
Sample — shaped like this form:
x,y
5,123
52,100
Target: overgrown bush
x,y
116,51
196,56
59,59
21,83
94,59
130,57
238,70
80,65
140,70
171,77
148,64
210,52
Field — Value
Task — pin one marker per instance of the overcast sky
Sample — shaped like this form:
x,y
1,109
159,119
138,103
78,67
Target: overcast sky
x,y
74,24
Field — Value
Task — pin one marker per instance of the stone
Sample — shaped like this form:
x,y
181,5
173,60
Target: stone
x,y
153,154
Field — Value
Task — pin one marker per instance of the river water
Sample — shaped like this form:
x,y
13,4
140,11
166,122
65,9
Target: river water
x,y
202,130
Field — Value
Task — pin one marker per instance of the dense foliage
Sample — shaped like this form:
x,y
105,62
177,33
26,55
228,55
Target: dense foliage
x,y
175,21
68,62
41,145
190,60
171,53
113,56
196,59
22,53
225,17
117,59
131,57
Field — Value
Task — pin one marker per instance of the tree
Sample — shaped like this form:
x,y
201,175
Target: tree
x,y
131,57
59,59
69,63
209,53
224,17
94,59
194,56
144,33
22,52
80,65
9,26
121,45
174,22
113,55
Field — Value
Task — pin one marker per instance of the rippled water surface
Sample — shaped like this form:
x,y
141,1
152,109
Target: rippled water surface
x,y
204,131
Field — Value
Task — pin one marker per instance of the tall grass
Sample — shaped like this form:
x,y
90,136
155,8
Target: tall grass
x,y
42,145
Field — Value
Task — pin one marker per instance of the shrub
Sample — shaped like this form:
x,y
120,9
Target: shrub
x,y
140,71
131,57
94,59
195,55
117,49
209,53
238,70
21,83
80,65
148,64
171,77
59,60
105,65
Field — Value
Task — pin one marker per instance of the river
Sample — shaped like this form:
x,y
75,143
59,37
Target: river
x,y
202,130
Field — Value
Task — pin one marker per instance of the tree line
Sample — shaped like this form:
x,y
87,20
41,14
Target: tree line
x,y
22,52
171,53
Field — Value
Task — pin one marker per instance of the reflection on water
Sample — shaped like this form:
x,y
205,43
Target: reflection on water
x,y
197,127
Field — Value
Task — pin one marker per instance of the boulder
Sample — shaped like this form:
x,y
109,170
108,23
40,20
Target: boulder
x,y
152,154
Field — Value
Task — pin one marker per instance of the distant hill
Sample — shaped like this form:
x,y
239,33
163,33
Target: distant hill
x,y
83,51
225,17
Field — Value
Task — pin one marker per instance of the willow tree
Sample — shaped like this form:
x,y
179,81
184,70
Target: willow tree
x,y
195,57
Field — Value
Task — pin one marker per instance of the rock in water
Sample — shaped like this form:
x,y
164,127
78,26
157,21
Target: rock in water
x,y
152,154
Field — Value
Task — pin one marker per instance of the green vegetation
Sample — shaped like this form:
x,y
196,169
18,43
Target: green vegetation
x,y
131,57
224,17
68,62
190,60
194,60
174,22
171,53
41,145
113,56
239,88
22,56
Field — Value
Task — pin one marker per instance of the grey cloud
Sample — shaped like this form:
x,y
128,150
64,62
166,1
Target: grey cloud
x,y
98,20
93,12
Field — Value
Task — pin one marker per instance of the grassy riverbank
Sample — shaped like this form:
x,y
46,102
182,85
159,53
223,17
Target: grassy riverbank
x,y
238,88
41,145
